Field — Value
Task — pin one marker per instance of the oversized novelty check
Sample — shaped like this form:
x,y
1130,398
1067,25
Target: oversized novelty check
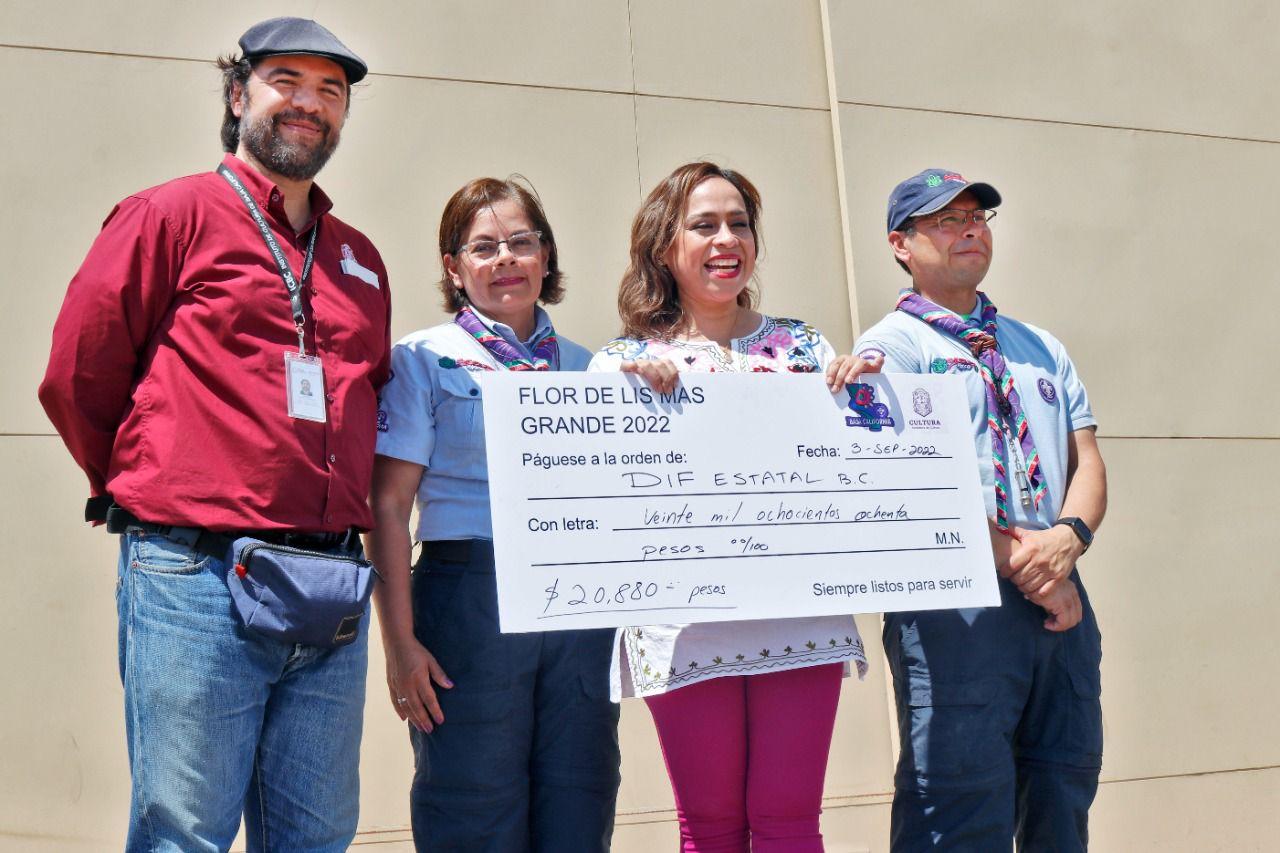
x,y
739,496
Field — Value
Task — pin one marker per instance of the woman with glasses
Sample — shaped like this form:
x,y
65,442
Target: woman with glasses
x,y
514,737
744,710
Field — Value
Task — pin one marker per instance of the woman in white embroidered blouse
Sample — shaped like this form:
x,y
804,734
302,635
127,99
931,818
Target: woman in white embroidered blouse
x,y
744,710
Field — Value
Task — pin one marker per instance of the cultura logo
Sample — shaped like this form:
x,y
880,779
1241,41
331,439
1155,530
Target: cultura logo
x,y
921,403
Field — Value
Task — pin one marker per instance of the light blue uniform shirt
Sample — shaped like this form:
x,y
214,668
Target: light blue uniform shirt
x,y
1052,396
430,413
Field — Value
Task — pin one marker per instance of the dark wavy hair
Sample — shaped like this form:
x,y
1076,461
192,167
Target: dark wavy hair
x,y
235,71
648,301
482,193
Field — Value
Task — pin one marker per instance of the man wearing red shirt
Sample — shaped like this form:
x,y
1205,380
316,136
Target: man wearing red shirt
x,y
182,359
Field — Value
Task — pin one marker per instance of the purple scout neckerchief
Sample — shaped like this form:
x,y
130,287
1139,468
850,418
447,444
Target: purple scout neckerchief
x,y
1003,403
546,351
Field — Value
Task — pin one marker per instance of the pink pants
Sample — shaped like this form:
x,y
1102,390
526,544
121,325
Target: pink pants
x,y
747,756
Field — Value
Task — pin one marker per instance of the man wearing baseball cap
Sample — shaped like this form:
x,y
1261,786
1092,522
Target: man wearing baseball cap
x,y
998,708
214,371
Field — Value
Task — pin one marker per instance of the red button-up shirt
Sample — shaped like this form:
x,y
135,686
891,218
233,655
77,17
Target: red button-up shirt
x,y
167,379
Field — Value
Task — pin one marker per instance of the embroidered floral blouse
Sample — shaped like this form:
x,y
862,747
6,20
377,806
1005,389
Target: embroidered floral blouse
x,y
654,659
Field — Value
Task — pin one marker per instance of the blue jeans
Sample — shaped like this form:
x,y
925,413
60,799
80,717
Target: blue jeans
x,y
222,722
527,757
1000,725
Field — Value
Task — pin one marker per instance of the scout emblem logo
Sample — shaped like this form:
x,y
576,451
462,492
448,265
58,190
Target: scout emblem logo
x,y
1047,391
870,414
921,403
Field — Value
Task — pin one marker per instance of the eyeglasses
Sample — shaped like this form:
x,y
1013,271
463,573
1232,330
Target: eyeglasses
x,y
952,220
522,245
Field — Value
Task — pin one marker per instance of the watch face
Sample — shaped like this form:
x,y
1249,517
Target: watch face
x,y
1080,528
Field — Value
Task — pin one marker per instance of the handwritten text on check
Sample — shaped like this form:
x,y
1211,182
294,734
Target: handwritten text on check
x,y
738,496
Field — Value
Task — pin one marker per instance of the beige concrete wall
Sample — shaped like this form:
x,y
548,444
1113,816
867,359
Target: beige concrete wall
x,y
1136,148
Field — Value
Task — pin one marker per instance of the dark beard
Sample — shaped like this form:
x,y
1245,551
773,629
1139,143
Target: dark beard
x,y
297,162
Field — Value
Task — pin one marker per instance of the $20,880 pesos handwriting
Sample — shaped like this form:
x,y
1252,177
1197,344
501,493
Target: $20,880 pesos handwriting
x,y
577,595
630,595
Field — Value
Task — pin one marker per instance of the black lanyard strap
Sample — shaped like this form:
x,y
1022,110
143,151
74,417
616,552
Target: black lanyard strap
x,y
291,283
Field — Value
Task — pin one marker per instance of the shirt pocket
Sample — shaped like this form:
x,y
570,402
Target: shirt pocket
x,y
459,418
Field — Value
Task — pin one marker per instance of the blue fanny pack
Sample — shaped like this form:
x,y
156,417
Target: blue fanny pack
x,y
298,596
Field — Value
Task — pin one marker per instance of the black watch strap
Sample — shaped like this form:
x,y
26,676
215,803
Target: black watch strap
x,y
1079,528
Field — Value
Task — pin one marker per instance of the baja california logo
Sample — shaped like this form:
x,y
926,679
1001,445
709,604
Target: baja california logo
x,y
921,403
1047,391
870,414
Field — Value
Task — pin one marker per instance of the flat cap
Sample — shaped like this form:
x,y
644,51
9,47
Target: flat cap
x,y
280,36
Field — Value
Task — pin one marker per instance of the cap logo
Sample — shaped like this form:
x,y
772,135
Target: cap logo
x,y
954,176
933,181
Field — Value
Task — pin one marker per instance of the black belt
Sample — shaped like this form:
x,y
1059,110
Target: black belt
x,y
215,543
452,550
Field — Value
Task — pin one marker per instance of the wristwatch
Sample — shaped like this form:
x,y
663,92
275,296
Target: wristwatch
x,y
1079,528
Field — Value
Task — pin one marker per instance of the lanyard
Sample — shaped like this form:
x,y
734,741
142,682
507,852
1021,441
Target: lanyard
x,y
291,284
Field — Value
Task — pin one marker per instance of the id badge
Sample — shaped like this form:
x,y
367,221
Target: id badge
x,y
304,381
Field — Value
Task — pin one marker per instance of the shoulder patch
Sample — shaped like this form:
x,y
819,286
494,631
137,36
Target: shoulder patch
x,y
1047,392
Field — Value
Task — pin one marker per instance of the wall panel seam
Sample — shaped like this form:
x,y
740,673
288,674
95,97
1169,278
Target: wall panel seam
x,y
837,151
829,801
86,52
550,87
1193,774
635,102
1064,122
765,104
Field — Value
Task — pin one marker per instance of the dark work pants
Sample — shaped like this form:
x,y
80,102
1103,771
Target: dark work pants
x,y
527,757
1000,725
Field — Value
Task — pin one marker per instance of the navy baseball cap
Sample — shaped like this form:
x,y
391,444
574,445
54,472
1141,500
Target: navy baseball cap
x,y
281,36
933,189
